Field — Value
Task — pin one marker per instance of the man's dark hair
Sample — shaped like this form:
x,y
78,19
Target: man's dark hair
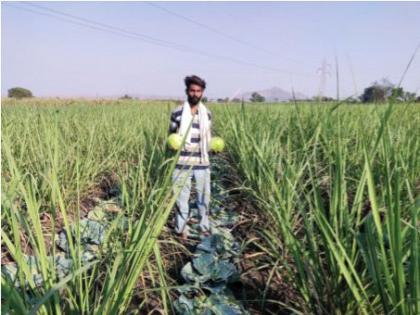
x,y
193,79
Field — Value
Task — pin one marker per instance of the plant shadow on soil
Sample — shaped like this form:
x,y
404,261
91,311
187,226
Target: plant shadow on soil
x,y
252,289
176,252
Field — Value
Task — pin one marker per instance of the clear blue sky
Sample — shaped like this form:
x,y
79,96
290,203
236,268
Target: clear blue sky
x,y
55,58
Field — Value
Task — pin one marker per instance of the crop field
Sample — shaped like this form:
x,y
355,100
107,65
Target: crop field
x,y
323,201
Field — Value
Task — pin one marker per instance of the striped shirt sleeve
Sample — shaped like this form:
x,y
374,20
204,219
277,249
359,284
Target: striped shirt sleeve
x,y
174,121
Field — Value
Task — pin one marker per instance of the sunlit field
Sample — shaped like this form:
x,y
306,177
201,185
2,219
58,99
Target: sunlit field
x,y
327,194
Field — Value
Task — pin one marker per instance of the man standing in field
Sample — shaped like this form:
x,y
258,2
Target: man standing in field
x,y
192,120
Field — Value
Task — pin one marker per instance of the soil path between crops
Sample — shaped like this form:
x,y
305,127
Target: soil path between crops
x,y
212,265
258,286
253,282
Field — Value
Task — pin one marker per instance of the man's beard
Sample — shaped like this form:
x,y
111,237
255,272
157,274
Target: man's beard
x,y
194,100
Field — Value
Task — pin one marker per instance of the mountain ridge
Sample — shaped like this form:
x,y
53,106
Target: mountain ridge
x,y
274,94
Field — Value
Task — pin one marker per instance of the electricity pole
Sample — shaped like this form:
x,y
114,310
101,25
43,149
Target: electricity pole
x,y
324,71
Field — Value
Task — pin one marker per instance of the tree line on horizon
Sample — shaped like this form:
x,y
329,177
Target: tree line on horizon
x,y
377,92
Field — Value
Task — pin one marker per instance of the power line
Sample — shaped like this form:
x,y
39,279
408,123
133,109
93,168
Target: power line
x,y
107,28
103,25
72,22
218,32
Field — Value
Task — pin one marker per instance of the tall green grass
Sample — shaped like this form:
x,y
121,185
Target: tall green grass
x,y
339,185
52,157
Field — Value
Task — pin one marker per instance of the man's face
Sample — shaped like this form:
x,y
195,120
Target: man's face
x,y
194,92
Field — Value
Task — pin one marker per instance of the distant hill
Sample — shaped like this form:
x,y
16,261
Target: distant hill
x,y
274,94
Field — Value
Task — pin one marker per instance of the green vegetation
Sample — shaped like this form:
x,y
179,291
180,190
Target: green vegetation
x,y
257,98
217,144
337,185
53,157
379,92
19,92
175,141
340,187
